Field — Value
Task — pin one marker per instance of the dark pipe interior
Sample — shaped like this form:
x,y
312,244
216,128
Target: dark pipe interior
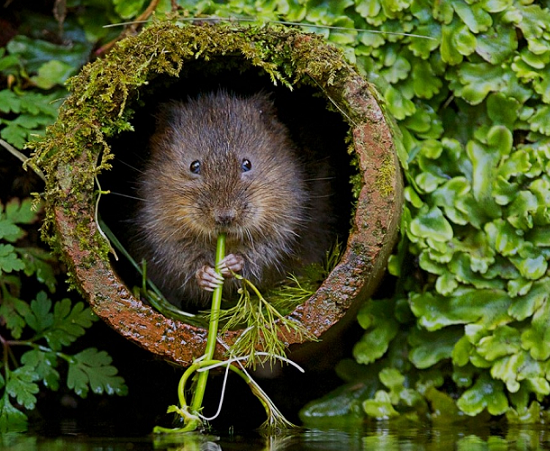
x,y
303,110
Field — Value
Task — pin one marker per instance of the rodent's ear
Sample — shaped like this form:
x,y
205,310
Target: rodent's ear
x,y
165,114
263,102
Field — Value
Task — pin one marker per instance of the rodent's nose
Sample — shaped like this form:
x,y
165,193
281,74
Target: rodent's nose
x,y
224,216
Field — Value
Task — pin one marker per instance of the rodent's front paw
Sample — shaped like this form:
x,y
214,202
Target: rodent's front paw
x,y
208,279
231,263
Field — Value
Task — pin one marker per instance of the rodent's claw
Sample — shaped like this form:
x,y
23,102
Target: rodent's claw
x,y
208,279
231,263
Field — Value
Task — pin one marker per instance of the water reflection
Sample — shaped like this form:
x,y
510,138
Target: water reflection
x,y
367,438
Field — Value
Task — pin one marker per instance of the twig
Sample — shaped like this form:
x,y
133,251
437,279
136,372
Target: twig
x,y
23,158
131,28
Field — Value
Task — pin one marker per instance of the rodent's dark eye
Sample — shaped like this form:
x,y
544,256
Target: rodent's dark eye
x,y
246,165
195,167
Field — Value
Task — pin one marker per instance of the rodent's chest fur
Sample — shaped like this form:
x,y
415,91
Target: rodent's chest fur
x,y
221,163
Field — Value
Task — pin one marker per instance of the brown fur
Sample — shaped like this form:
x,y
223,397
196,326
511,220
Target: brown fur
x,y
269,206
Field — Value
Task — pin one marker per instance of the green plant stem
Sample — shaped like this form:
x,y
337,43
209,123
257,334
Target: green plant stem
x,y
196,404
275,419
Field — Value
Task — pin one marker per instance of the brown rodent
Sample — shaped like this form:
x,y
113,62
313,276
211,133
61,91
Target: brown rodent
x,y
224,163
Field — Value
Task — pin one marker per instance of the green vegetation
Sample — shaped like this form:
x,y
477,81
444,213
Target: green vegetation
x,y
466,331
41,327
36,332
191,414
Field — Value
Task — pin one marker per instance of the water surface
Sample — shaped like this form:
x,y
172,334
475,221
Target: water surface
x,y
380,436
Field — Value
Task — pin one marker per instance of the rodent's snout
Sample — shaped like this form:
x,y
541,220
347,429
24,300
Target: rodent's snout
x,y
225,216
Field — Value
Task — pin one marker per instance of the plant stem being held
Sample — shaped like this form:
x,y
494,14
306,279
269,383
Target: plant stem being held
x,y
198,396
190,414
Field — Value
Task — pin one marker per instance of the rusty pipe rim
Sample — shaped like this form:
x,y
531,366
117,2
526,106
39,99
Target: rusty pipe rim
x,y
71,197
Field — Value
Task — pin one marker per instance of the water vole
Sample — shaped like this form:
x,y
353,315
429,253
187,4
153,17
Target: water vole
x,y
224,163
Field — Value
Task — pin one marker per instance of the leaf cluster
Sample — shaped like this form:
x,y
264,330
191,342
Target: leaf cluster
x,y
466,332
45,327
36,64
263,326
467,82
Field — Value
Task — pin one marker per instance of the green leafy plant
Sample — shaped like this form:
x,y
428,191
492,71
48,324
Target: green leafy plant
x,y
40,327
191,413
262,326
472,265
465,332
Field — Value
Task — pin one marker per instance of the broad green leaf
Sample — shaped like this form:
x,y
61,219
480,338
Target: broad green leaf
x,y
461,351
43,363
380,407
9,260
9,61
504,341
426,83
468,306
497,44
423,48
400,106
473,15
368,9
485,161
536,339
449,50
520,367
527,304
344,403
478,80
467,270
380,328
522,210
533,21
447,196
53,73
464,40
91,370
398,70
11,419
495,6
505,238
431,224
429,348
485,394
128,9
502,110
21,386
539,121
519,287
36,52
531,268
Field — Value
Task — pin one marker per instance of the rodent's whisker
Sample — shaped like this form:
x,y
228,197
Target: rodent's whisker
x,y
130,166
319,179
126,195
